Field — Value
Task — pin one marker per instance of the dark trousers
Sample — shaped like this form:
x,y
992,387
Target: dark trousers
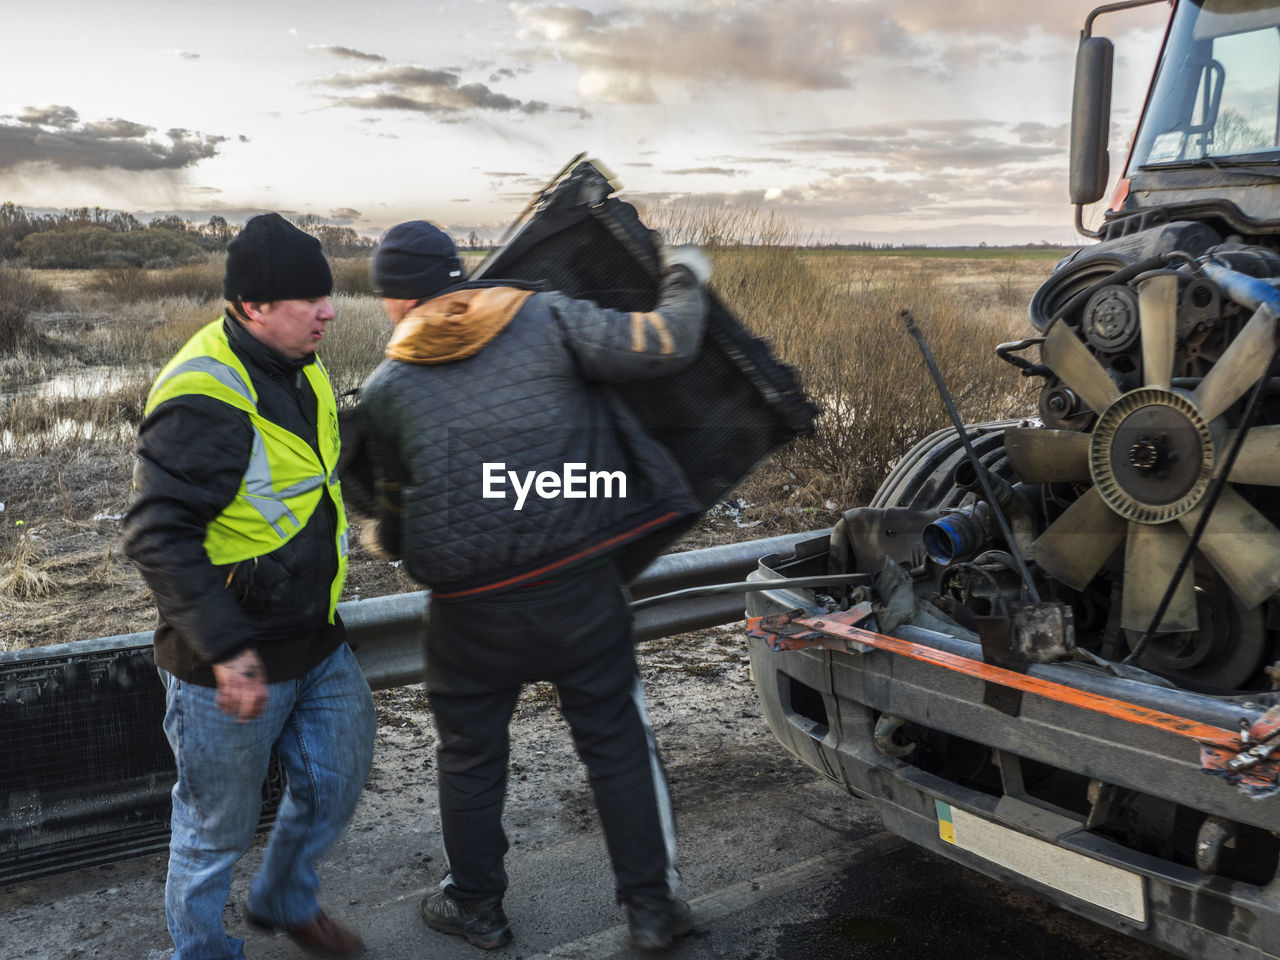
x,y
575,633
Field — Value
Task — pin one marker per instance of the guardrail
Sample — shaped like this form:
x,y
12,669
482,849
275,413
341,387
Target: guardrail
x,y
85,771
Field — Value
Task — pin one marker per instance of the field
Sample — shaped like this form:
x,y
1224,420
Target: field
x,y
78,351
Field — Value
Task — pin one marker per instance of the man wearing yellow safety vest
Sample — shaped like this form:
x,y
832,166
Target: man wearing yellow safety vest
x,y
238,527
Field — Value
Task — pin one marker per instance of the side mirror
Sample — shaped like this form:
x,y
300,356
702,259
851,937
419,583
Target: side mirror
x,y
1091,120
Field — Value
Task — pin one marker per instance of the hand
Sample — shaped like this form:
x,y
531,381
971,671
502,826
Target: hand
x,y
687,256
242,686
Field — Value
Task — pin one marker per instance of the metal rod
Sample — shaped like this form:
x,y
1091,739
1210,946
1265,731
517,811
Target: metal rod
x,y
978,468
1112,8
749,586
1081,228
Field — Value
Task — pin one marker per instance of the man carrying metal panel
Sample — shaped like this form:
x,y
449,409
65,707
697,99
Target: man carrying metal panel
x,y
508,479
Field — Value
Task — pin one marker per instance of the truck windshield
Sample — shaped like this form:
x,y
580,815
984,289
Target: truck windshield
x,y
1217,87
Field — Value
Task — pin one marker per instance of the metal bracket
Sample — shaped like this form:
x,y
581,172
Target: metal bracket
x,y
793,631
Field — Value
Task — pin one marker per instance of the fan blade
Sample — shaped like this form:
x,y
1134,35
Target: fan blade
x,y
1259,458
1078,543
1064,354
1158,314
1242,545
1151,556
1241,364
1048,456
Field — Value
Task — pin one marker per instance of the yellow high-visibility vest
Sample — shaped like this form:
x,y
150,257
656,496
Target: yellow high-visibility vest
x,y
285,480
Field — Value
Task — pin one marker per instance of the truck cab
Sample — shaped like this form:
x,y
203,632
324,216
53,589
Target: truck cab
x,y
1207,148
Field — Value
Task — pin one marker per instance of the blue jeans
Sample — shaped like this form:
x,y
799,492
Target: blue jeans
x,y
322,727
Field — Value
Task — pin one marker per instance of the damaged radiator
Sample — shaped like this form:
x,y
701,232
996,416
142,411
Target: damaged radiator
x,y
719,417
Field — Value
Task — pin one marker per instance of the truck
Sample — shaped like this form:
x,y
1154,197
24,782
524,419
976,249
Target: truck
x,y
1049,647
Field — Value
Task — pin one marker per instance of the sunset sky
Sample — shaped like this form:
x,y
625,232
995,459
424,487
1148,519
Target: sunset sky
x,y
923,121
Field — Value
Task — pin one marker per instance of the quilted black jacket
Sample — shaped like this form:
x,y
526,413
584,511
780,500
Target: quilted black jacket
x,y
490,451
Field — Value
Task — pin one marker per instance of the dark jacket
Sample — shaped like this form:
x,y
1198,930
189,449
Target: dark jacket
x,y
191,456
482,383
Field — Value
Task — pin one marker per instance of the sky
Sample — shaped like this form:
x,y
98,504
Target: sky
x,y
889,121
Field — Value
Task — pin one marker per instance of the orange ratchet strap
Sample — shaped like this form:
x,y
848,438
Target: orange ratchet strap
x,y
838,631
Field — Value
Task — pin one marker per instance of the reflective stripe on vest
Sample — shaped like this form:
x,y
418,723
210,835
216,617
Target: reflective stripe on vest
x,y
284,480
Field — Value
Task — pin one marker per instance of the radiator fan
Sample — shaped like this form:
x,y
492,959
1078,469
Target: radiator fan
x,y
1149,461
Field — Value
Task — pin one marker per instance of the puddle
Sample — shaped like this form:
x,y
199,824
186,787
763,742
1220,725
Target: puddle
x,y
81,383
88,382
66,432
67,409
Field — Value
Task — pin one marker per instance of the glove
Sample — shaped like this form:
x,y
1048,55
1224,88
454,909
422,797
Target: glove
x,y
688,256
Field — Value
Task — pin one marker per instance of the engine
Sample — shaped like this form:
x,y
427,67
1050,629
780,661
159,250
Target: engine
x,y
1145,493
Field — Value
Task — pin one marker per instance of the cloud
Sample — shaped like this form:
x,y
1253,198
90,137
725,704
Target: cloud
x,y
404,77
344,215
55,136
422,90
1010,19
184,54
710,171
945,208
928,147
820,201
117,129
792,44
768,161
1031,131
50,116
634,51
954,175
347,52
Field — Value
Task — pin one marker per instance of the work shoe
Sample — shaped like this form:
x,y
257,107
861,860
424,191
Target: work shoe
x,y
484,926
321,936
655,923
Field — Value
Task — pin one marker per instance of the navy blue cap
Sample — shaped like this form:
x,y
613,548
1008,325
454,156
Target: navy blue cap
x,y
415,260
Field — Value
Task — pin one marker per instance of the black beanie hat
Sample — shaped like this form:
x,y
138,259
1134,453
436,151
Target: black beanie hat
x,y
415,260
271,259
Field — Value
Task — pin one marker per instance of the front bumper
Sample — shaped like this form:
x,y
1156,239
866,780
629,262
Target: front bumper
x,y
824,706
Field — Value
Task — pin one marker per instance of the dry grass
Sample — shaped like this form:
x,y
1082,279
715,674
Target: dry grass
x,y
21,296
354,343
65,454
124,284
836,319
351,276
59,530
200,281
21,577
